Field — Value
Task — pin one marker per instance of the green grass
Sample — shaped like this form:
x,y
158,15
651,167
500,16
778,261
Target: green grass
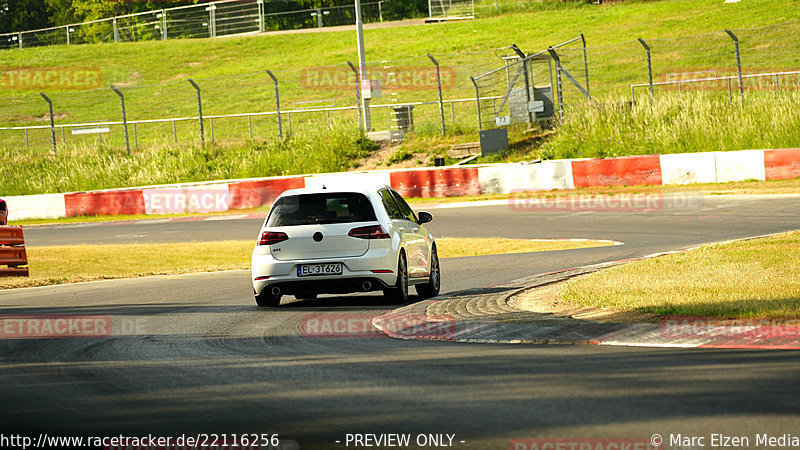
x,y
697,122
323,150
230,71
158,69
757,278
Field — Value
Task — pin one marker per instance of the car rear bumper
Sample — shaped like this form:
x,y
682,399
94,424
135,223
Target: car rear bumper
x,y
328,286
269,272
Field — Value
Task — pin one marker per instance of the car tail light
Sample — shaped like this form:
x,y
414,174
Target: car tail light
x,y
272,237
370,232
381,271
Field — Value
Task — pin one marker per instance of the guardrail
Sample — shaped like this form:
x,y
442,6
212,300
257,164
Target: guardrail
x,y
12,252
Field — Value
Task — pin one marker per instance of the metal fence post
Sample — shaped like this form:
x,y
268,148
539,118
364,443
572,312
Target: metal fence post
x,y
260,15
559,91
19,38
116,29
528,113
52,121
358,96
585,63
199,112
738,63
277,104
124,119
67,28
649,67
477,103
163,24
212,20
439,87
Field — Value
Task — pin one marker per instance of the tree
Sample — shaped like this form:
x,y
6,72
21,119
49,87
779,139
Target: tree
x,y
21,15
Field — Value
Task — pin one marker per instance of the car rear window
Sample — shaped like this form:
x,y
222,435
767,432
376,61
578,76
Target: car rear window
x,y
309,209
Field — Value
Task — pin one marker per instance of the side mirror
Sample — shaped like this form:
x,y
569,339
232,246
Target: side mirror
x,y
424,217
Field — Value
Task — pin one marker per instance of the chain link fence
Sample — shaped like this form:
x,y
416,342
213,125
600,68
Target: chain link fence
x,y
423,94
754,64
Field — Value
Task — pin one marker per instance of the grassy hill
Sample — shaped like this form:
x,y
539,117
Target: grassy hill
x,y
231,74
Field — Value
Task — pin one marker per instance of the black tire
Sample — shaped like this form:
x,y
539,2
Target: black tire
x,y
305,295
267,299
399,293
431,288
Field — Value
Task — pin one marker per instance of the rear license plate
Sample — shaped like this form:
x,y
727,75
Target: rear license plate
x,y
307,270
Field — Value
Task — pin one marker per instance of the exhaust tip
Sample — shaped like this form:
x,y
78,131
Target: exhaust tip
x,y
276,291
366,286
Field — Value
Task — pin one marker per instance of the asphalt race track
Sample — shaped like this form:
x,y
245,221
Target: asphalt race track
x,y
193,354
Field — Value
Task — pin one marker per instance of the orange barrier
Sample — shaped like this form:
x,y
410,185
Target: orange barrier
x,y
428,183
622,171
12,252
104,203
252,194
782,164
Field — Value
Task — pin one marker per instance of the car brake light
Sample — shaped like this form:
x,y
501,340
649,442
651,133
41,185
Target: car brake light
x,y
370,232
272,237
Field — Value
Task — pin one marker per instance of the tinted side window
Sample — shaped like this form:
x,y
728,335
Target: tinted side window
x,y
404,208
391,205
308,209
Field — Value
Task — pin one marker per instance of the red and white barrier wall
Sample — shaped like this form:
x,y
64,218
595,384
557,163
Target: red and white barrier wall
x,y
217,196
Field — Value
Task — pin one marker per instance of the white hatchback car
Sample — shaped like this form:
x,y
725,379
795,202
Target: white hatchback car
x,y
342,241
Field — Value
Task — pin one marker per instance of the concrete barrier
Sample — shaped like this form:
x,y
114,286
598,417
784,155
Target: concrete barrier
x,y
688,168
430,183
507,178
349,179
740,166
258,193
44,206
782,164
104,203
625,171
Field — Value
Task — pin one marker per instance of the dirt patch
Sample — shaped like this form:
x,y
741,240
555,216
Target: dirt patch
x,y
545,300
177,77
379,159
45,117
